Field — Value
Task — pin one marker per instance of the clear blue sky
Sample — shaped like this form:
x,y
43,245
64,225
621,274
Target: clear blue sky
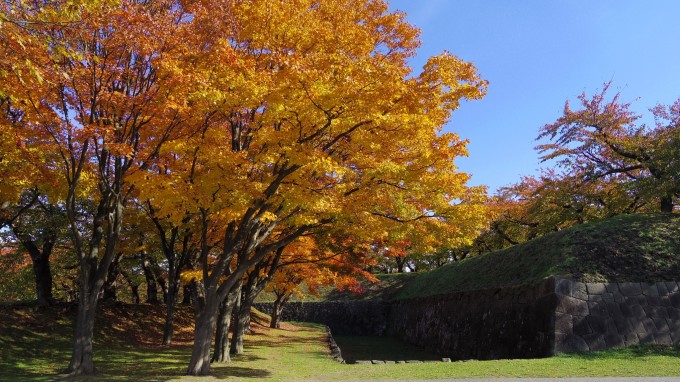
x,y
538,53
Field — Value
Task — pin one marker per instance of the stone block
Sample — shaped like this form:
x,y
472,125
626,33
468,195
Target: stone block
x,y
638,328
663,291
675,300
649,325
631,339
663,339
626,311
646,339
613,340
613,309
446,359
673,314
597,324
660,311
595,297
611,326
595,342
362,362
596,288
573,306
377,362
608,296
579,291
666,301
598,309
564,323
630,289
393,362
661,324
563,287
622,325
672,287
638,313
618,297
612,287
650,289
653,301
413,361
570,344
581,326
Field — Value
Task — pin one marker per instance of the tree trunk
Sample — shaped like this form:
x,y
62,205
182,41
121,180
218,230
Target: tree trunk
x,y
666,204
186,295
110,285
242,324
151,288
203,333
43,280
400,263
171,300
135,294
133,287
239,325
277,311
82,356
164,288
197,295
41,264
221,353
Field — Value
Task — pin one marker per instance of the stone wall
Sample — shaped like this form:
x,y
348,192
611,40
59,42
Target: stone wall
x,y
597,316
358,318
487,324
554,316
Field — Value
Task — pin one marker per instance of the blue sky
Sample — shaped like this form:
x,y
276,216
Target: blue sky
x,y
536,54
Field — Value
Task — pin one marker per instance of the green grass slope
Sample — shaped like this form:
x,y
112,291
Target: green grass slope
x,y
623,248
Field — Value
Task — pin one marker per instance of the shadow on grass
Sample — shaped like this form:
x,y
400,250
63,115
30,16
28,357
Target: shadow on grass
x,y
226,371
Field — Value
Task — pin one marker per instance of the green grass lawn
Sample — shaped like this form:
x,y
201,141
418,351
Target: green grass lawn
x,y
30,352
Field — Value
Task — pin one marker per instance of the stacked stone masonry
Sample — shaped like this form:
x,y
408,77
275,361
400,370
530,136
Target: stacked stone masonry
x,y
551,317
597,316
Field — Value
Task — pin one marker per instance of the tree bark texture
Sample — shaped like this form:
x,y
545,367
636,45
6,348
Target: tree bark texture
x,y
82,357
666,204
203,333
277,310
171,301
43,279
151,287
221,353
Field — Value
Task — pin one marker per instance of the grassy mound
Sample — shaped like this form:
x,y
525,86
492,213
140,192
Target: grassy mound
x,y
623,248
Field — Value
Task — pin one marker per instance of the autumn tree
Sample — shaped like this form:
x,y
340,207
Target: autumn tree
x,y
92,82
604,143
312,118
